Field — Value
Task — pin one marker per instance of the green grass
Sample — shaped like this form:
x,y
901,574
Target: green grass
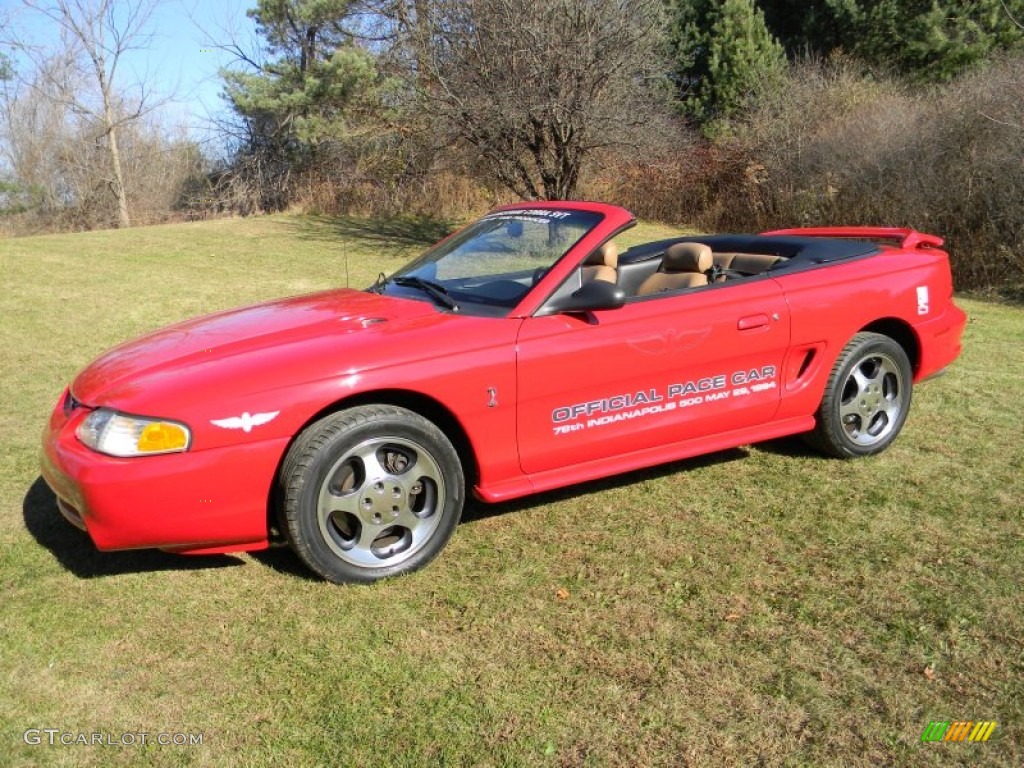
x,y
762,606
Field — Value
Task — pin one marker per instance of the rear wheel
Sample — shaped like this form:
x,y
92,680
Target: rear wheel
x,y
867,398
371,492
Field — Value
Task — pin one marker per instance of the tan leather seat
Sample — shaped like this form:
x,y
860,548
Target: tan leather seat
x,y
602,264
683,266
750,263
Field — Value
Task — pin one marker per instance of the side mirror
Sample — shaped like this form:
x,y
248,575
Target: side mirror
x,y
593,295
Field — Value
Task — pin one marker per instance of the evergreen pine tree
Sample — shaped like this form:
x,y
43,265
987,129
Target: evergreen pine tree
x,y
301,96
6,70
724,55
924,39
936,39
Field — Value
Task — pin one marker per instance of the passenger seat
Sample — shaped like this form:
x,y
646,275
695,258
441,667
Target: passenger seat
x,y
601,264
683,266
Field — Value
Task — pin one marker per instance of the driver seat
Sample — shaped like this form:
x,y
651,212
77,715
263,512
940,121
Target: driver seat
x,y
602,264
683,266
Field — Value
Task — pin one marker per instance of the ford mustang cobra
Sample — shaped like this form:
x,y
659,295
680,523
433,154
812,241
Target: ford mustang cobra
x,y
520,354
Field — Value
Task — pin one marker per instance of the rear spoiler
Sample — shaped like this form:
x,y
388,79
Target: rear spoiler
x,y
909,238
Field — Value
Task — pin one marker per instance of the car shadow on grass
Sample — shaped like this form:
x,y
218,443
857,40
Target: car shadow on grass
x,y
792,446
75,551
282,560
77,554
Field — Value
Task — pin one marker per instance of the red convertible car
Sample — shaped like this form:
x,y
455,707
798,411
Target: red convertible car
x,y
520,354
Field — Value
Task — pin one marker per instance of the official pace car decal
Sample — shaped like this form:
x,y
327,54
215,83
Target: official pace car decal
x,y
246,421
648,402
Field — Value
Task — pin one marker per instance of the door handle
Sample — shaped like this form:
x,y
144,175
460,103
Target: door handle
x,y
750,322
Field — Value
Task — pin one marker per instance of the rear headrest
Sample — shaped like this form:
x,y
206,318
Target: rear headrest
x,y
687,257
605,256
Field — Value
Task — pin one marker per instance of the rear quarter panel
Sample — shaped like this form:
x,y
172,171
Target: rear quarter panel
x,y
831,303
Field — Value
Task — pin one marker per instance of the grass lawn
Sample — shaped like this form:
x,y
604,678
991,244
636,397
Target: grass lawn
x,y
761,606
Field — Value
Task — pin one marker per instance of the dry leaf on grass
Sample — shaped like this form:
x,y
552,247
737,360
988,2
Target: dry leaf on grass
x,y
562,593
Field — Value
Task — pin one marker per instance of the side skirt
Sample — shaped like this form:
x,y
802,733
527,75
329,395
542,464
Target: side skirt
x,y
649,457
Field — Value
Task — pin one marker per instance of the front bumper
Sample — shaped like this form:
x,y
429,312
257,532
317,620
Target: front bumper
x,y
213,500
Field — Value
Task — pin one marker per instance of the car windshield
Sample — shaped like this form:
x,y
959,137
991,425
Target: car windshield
x,y
489,266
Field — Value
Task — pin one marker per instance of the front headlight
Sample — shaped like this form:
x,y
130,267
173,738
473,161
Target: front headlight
x,y
119,434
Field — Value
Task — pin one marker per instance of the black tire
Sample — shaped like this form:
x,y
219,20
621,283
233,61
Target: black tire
x,y
866,400
370,492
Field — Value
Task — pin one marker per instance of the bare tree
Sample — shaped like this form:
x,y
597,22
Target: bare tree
x,y
35,134
95,36
536,88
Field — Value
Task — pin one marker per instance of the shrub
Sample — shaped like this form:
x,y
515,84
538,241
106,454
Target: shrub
x,y
839,146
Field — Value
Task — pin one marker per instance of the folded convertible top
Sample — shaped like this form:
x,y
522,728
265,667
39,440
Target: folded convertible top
x,y
796,250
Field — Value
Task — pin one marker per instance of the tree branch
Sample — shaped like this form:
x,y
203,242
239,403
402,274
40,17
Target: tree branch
x,y
1012,17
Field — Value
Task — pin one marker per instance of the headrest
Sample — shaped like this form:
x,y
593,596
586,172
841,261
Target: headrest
x,y
687,257
605,256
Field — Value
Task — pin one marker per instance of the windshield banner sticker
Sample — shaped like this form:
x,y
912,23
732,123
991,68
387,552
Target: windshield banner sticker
x,y
625,407
529,214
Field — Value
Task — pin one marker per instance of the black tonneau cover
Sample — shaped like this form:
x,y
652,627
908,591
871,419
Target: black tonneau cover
x,y
798,251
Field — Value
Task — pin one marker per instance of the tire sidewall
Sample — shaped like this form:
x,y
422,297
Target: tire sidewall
x,y
345,431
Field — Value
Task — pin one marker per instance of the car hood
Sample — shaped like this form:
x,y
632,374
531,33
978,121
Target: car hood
x,y
239,333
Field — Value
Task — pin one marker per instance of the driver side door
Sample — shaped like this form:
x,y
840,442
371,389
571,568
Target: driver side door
x,y
660,370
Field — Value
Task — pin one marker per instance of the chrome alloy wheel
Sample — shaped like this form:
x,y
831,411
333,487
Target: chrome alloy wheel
x,y
871,403
381,502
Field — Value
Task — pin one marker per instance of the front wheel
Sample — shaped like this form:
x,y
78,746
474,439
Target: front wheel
x,y
370,492
866,400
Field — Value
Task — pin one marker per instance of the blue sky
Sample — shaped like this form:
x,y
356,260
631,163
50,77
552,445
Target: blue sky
x,y
179,60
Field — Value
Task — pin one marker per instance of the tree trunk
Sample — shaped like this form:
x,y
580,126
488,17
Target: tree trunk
x,y
123,219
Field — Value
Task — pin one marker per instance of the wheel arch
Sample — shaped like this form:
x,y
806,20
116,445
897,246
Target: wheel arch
x,y
902,333
424,405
